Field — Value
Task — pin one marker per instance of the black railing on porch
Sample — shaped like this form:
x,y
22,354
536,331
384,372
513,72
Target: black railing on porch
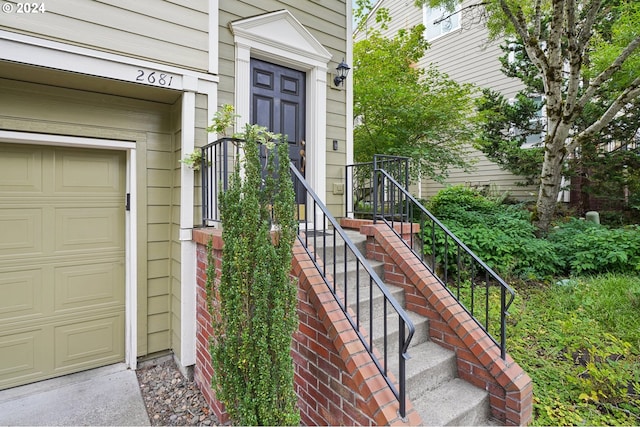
x,y
359,186
480,291
344,269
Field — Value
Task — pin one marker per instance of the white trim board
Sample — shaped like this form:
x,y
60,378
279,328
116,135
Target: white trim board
x,y
278,37
61,56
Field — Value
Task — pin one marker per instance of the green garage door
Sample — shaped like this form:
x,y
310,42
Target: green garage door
x,y
62,261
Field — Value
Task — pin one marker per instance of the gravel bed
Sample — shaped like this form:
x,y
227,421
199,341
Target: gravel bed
x,y
170,398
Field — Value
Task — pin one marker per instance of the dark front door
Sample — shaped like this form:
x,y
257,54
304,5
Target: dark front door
x,y
278,103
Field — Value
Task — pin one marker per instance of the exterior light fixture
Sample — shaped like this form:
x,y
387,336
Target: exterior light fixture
x,y
343,70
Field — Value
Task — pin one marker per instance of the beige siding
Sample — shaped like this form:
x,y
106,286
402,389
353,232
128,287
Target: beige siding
x,y
38,108
159,190
486,176
326,21
467,55
172,32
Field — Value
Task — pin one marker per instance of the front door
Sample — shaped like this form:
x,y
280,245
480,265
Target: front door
x,y
278,103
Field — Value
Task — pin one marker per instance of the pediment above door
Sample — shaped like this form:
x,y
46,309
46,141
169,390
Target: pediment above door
x,y
280,30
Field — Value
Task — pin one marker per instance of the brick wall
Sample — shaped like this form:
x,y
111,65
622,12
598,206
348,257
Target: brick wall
x,y
478,357
335,379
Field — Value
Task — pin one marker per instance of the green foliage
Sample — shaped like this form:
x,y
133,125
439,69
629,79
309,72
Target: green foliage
x,y
405,110
586,247
222,120
256,316
580,343
502,236
505,128
193,160
583,59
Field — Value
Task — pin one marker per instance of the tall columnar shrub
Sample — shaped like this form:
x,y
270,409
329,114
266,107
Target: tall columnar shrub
x,y
256,316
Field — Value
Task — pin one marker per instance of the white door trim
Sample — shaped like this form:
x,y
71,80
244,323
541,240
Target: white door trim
x,y
131,229
279,38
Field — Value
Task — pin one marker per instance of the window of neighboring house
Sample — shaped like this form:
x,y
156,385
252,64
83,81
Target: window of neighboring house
x,y
540,120
439,21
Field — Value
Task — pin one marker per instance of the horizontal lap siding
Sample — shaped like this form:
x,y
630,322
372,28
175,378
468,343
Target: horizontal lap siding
x,y
160,31
468,56
159,192
326,21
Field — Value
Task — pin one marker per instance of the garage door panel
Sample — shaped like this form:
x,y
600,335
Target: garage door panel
x,y
88,286
88,343
21,293
20,231
88,172
20,170
89,228
22,357
62,260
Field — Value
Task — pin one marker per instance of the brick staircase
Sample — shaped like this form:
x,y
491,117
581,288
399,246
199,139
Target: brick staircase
x,y
434,388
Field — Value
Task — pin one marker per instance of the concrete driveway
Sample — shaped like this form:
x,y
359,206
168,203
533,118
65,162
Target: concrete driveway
x,y
99,397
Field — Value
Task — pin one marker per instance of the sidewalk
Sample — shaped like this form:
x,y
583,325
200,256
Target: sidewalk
x,y
104,396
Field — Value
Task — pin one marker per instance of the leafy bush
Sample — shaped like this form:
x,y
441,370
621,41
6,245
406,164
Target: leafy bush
x,y
502,236
255,318
586,247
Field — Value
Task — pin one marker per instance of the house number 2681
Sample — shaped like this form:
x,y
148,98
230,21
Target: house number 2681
x,y
154,77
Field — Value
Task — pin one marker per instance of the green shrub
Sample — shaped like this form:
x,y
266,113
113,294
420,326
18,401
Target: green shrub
x,y
458,199
256,315
500,235
589,248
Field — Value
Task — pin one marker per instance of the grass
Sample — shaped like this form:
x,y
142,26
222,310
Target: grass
x,y
580,343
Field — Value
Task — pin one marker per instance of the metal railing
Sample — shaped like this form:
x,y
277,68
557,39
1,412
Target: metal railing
x,y
360,196
332,251
482,293
216,166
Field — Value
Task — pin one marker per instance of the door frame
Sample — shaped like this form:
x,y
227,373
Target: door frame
x,y
131,228
279,38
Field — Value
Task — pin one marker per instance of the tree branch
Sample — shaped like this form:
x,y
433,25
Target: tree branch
x,y
608,72
629,94
471,6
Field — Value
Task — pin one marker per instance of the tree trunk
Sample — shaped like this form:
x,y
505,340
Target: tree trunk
x,y
550,180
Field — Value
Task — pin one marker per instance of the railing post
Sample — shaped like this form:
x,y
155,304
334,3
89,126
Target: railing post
x,y
503,323
402,398
375,193
204,172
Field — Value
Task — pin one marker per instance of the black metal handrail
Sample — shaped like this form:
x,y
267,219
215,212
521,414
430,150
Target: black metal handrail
x,y
216,165
360,176
324,239
473,283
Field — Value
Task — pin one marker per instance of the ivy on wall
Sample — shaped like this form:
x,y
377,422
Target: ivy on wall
x,y
254,315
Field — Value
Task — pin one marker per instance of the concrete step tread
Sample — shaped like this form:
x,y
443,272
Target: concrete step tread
x,y
429,366
421,324
456,402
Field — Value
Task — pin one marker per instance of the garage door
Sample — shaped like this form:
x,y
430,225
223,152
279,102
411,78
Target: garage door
x,y
62,261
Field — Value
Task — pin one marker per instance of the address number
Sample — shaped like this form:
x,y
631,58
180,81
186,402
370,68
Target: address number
x,y
154,78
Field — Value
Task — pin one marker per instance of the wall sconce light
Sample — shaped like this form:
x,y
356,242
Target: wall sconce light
x,y
343,70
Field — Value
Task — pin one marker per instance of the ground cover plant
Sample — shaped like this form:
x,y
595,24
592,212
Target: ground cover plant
x,y
575,324
580,343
